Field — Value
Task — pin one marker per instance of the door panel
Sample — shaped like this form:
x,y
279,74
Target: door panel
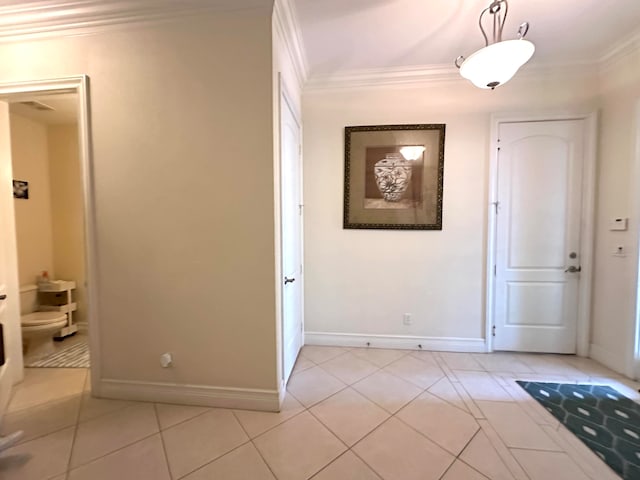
x,y
291,197
538,228
10,304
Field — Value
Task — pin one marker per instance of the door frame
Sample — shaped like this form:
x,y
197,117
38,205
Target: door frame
x,y
285,97
587,220
633,359
78,84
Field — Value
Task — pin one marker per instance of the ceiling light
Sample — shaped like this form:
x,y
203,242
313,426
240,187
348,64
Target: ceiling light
x,y
499,60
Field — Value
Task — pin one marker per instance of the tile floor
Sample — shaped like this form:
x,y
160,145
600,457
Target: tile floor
x,y
356,414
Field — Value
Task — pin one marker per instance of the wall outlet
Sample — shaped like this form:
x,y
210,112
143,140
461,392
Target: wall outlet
x,y
166,360
406,319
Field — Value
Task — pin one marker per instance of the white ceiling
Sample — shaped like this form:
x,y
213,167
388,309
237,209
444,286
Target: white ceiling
x,y
346,35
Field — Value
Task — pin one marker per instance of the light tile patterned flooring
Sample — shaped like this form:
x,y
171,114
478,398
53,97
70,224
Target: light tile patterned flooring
x,y
356,414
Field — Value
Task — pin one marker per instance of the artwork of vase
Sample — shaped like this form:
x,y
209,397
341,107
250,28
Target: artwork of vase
x,y
393,175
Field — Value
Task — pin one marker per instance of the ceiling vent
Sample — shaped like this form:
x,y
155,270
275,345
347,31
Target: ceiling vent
x,y
37,105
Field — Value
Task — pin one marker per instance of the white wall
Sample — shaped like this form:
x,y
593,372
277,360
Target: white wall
x,y
68,211
30,162
615,281
183,169
362,281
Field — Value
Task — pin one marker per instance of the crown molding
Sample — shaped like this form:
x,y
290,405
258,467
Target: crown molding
x,y
286,20
47,18
427,74
628,46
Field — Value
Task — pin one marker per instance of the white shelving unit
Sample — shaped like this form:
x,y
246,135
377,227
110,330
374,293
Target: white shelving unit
x,y
56,296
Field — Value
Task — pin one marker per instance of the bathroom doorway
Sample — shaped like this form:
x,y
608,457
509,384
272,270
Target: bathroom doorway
x,y
47,160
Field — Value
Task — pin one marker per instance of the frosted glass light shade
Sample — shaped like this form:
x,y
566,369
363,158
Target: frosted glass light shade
x,y
497,63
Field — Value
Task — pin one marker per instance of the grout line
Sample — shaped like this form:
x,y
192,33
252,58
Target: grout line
x,y
75,430
164,447
208,410
503,451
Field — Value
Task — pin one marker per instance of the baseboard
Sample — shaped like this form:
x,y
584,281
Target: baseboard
x,y
608,359
403,342
83,327
201,395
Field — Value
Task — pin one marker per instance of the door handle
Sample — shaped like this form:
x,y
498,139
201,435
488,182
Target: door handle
x,y
3,296
289,280
573,269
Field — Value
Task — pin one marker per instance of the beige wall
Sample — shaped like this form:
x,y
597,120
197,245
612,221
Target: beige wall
x,y
67,211
30,162
615,280
182,136
362,281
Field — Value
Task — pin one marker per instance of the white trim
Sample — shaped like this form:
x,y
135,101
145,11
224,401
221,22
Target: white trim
x,y
633,363
403,342
609,359
203,395
620,51
47,18
286,20
80,85
5,379
587,224
423,74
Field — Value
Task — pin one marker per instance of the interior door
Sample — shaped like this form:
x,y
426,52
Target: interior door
x,y
291,198
11,368
537,269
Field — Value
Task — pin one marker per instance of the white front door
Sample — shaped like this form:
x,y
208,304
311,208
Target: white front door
x,y
291,198
540,168
11,370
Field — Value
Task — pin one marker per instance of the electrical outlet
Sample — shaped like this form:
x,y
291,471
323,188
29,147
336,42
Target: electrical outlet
x,y
166,360
406,319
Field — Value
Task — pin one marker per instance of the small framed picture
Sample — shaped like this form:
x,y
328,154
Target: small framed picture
x,y
20,189
394,177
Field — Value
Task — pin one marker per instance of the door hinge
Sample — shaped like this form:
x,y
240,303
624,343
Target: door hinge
x,y
495,270
493,331
300,209
495,205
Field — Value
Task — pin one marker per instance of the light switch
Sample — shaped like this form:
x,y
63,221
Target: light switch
x,y
618,223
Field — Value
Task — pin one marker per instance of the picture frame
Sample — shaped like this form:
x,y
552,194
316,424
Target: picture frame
x,y
394,176
21,189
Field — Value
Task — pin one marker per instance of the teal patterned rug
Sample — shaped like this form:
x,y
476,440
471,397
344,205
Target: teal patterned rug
x,y
605,420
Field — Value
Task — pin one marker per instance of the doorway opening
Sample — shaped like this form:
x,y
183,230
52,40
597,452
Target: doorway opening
x,y
48,251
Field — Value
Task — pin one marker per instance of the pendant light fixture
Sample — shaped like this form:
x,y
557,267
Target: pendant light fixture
x,y
499,60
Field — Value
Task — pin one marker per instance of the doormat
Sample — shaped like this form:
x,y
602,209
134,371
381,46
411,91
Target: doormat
x,y
75,356
605,420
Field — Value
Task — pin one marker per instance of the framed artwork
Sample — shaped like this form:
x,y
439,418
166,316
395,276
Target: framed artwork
x,y
21,189
393,177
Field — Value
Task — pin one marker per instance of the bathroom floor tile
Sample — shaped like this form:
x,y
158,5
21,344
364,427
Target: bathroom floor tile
x,y
143,460
43,385
243,463
397,452
349,415
320,355
482,386
378,356
546,465
43,419
107,433
313,386
387,390
439,421
445,390
481,455
299,447
349,368
256,423
460,361
462,471
41,458
420,373
170,415
515,427
192,444
347,467
93,407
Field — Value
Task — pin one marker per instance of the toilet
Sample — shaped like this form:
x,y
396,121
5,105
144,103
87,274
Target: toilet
x,y
37,327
